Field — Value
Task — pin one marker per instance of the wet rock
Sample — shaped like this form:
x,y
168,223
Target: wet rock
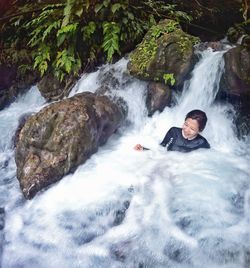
x,y
2,214
7,75
177,251
60,137
110,84
246,42
236,78
13,82
158,97
21,123
52,89
215,46
108,81
235,86
165,49
120,251
121,213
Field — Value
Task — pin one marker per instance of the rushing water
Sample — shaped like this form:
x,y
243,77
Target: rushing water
x,y
124,208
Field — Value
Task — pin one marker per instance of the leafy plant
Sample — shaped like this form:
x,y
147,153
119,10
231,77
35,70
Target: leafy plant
x,y
111,31
67,36
169,79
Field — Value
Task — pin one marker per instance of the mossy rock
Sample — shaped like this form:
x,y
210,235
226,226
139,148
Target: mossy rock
x,y
60,137
165,49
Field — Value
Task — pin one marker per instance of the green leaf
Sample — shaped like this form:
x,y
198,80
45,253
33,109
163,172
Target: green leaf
x,y
131,15
111,31
79,12
106,3
54,25
169,78
98,7
125,20
89,30
115,7
60,39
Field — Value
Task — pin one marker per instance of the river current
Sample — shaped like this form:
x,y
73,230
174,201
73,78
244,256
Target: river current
x,y
124,208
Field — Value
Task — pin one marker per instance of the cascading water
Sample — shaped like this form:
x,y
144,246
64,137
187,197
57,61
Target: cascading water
x,y
124,208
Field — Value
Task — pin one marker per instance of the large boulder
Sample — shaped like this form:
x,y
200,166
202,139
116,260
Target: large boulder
x,y
165,50
62,136
235,86
236,77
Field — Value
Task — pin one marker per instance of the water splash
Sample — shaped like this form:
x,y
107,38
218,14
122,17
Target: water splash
x,y
123,208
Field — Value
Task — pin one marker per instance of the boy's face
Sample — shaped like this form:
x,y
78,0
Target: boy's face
x,y
190,128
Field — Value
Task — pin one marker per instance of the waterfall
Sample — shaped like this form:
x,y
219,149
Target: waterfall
x,y
124,208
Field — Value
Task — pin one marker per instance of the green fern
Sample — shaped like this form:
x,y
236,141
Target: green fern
x,y
42,59
73,33
111,32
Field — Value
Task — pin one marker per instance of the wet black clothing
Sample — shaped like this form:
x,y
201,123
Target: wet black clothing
x,y
174,141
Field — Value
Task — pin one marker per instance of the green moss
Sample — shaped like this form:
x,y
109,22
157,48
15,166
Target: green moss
x,y
146,50
186,41
166,32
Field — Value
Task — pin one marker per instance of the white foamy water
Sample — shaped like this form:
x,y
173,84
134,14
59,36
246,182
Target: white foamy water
x,y
124,208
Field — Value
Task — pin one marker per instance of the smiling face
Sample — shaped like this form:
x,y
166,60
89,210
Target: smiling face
x,y
190,128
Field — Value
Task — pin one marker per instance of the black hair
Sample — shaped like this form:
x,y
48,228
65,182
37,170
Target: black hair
x,y
200,116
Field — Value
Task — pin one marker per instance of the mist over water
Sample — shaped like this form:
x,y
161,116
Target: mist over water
x,y
124,208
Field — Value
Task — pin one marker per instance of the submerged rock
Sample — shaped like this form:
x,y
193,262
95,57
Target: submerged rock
x,y
165,50
62,136
158,97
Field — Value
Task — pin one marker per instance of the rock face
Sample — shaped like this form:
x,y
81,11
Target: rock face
x,y
13,83
21,123
52,89
158,97
235,85
62,136
236,78
165,50
7,75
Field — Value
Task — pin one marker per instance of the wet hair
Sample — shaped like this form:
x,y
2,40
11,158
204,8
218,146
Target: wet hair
x,y
199,116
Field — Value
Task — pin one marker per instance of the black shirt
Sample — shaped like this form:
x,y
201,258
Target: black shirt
x,y
174,141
